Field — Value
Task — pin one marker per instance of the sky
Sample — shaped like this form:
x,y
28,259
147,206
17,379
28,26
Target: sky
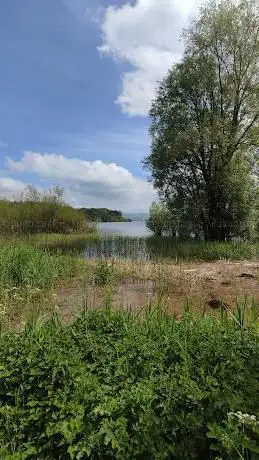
x,y
76,82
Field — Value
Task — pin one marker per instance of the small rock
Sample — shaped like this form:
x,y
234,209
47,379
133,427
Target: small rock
x,y
216,304
247,275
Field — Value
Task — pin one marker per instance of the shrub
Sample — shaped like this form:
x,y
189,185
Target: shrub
x,y
45,214
160,219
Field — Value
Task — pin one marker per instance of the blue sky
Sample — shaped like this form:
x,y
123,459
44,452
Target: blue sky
x,y
76,82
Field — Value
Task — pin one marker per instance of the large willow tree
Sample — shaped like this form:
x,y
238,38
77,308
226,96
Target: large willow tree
x,y
205,122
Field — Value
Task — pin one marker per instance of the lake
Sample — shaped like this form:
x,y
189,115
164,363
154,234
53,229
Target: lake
x,y
124,240
135,229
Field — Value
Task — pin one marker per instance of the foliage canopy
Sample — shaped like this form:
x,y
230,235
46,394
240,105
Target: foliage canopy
x,y
205,122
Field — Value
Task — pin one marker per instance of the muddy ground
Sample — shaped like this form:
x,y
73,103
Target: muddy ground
x,y
201,284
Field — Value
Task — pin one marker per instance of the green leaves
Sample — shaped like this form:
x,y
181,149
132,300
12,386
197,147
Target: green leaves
x,y
205,123
160,220
114,386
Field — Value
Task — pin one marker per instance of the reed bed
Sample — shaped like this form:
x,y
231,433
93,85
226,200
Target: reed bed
x,y
158,249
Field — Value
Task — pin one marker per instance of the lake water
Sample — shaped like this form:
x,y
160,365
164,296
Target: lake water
x,y
124,240
134,229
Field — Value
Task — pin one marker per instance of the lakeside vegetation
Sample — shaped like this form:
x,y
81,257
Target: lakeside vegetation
x,y
51,240
152,248
114,384
173,375
41,212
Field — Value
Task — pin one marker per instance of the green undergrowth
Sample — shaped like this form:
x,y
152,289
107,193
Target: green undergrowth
x,y
22,265
115,385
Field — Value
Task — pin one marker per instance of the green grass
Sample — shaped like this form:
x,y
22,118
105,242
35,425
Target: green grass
x,y
49,240
115,385
22,265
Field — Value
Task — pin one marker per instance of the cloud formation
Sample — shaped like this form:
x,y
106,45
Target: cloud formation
x,y
88,183
145,35
10,188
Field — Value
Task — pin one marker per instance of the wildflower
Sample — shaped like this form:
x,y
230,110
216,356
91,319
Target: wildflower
x,y
243,418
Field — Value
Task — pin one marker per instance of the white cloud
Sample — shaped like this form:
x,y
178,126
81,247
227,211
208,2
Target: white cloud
x,y
145,35
10,188
89,183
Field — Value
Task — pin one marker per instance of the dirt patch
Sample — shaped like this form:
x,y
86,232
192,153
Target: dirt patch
x,y
174,286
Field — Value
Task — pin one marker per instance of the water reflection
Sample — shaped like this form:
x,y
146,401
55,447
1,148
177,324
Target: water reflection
x,y
123,240
109,247
131,240
133,229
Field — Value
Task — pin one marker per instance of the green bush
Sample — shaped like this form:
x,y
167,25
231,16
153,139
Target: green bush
x,y
27,217
160,219
115,386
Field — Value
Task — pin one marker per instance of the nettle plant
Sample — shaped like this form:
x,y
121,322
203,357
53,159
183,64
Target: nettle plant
x,y
114,385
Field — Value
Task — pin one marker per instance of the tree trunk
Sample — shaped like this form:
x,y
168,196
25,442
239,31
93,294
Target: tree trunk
x,y
215,226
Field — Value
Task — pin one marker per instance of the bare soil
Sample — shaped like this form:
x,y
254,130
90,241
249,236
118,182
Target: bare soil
x,y
197,283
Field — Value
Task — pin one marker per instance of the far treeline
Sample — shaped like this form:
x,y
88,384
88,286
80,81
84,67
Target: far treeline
x,y
41,212
205,128
103,215
47,212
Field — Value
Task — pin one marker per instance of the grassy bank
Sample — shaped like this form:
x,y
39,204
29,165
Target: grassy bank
x,y
27,278
201,250
124,386
137,384
50,240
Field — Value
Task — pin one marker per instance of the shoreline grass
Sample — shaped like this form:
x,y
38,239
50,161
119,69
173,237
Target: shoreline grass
x,y
164,248
22,265
97,246
48,239
28,276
